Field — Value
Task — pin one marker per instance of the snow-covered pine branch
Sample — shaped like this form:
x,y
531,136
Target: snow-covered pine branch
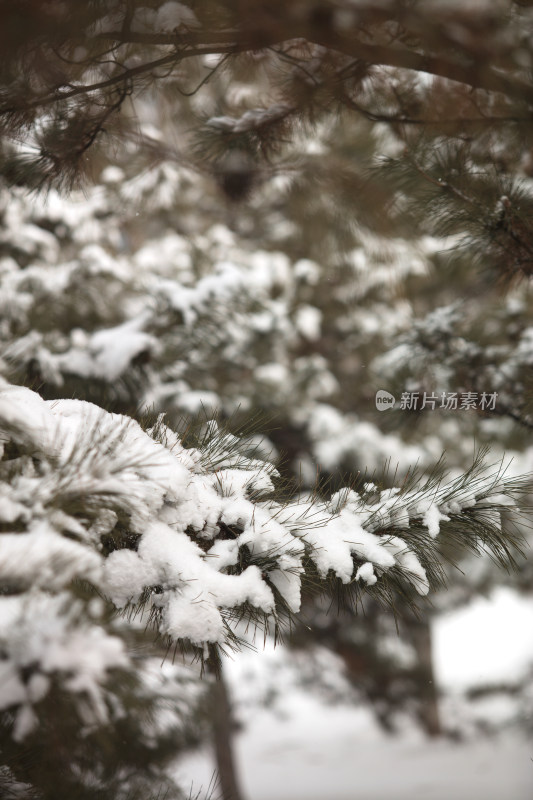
x,y
196,538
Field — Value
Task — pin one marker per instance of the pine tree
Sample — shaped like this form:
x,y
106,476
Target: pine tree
x,y
442,96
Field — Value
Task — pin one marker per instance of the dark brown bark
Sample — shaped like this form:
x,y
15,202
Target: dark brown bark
x,y
222,732
428,694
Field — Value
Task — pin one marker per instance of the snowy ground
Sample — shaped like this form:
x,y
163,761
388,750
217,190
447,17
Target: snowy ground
x,y
307,750
335,756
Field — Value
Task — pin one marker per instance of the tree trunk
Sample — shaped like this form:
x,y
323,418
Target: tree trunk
x,y
428,694
222,732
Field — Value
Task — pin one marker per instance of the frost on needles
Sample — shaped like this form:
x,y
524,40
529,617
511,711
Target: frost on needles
x,y
194,537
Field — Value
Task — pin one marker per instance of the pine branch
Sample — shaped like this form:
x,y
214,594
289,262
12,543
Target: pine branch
x,y
470,73
233,553
414,47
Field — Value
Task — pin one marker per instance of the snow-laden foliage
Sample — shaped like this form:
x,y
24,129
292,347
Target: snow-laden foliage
x,y
96,306
178,323
461,348
193,536
50,636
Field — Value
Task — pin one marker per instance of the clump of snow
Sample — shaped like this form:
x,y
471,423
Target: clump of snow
x,y
432,519
252,119
366,573
108,353
43,557
173,16
308,322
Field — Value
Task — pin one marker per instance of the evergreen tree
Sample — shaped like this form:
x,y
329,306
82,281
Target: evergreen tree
x,y
371,129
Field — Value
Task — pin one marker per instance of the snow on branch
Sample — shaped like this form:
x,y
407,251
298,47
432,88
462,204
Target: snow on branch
x,y
46,638
203,541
